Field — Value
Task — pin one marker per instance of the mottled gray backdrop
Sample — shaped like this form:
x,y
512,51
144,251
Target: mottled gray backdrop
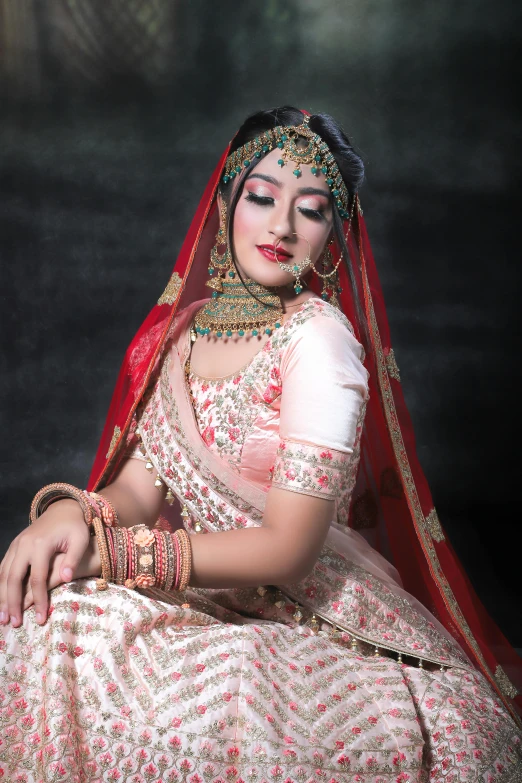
x,y
112,117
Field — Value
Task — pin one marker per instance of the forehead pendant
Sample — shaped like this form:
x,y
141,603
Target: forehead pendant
x,y
298,145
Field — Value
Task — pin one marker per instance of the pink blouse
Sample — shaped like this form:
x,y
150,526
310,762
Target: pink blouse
x,y
293,416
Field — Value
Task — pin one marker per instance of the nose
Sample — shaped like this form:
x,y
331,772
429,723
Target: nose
x,y
281,224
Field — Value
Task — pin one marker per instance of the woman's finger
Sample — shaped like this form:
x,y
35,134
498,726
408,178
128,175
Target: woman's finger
x,y
40,565
28,599
53,580
4,574
17,574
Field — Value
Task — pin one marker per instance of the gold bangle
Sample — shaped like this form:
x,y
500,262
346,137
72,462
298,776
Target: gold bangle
x,y
186,558
144,540
53,492
106,575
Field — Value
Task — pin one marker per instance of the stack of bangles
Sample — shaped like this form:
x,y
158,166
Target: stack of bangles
x,y
135,556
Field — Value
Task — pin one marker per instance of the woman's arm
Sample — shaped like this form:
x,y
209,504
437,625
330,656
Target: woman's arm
x,y
134,496
283,549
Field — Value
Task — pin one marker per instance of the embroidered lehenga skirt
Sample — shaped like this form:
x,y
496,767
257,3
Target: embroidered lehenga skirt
x,y
315,681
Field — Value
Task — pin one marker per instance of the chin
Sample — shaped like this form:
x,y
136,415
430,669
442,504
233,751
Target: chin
x,y
271,278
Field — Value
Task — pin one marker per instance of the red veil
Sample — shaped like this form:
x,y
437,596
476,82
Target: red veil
x,y
392,505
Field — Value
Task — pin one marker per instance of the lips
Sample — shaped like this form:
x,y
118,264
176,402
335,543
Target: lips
x,y
270,252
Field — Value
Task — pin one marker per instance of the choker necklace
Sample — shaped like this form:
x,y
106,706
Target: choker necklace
x,y
235,311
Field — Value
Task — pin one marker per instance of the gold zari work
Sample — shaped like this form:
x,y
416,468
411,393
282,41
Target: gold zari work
x,y
391,364
434,526
115,436
414,502
171,292
505,684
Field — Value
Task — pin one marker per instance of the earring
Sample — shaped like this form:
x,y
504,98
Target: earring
x,y
331,279
220,260
296,268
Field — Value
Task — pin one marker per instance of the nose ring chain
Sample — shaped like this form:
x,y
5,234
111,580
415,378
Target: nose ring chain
x,y
295,268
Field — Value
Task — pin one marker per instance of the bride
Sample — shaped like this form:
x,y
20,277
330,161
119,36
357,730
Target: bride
x,y
255,585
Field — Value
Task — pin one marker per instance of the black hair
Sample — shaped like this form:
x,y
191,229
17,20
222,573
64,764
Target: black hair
x,y
349,162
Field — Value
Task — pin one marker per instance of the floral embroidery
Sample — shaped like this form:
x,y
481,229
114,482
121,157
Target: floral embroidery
x,y
160,692
310,469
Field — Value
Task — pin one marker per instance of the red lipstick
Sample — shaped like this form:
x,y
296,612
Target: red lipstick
x,y
272,254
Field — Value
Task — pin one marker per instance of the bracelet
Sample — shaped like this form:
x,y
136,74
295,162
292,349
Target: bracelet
x,y
186,558
52,492
118,537
141,557
106,510
171,568
106,574
144,541
177,555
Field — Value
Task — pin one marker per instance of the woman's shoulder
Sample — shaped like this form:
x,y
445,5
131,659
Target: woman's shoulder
x,y
319,325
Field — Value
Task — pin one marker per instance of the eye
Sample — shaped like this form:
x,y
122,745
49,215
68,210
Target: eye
x,y
262,201
313,214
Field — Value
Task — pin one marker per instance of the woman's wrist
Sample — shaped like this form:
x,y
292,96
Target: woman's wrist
x,y
90,564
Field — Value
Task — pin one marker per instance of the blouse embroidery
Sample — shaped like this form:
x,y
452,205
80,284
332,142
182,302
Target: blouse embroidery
x,y
318,471
223,420
229,410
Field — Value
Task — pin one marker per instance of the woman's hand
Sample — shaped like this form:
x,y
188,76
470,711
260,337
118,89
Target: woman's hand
x,y
49,551
89,565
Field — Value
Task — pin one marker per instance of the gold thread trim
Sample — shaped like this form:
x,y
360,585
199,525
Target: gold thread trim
x,y
391,364
115,435
170,293
504,683
413,498
434,526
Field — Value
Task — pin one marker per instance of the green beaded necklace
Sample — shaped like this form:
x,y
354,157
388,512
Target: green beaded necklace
x,y
234,310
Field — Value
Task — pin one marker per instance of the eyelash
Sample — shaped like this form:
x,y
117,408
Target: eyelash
x,y
266,201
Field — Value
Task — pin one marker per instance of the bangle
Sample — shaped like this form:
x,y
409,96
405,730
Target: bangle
x,y
106,574
171,565
117,535
186,558
53,492
177,571
144,540
106,509
111,549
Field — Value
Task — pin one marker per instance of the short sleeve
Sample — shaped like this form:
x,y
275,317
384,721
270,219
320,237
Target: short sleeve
x,y
323,401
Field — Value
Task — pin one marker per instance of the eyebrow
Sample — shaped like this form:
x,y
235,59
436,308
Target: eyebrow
x,y
302,191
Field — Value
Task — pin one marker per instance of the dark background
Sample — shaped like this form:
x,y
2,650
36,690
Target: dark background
x,y
113,115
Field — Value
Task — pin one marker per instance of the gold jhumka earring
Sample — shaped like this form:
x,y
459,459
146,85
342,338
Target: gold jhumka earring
x,y
220,260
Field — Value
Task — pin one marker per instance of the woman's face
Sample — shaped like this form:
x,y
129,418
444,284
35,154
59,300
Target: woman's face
x,y
276,205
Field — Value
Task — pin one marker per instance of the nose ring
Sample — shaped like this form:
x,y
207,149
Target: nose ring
x,y
296,267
